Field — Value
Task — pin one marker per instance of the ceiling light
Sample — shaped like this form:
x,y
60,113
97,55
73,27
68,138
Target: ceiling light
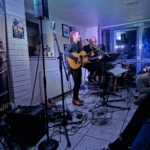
x,y
132,3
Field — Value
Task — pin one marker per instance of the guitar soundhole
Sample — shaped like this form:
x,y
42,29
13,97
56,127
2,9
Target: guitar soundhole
x,y
81,57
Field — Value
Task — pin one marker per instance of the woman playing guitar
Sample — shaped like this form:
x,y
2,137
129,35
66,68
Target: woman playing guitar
x,y
75,46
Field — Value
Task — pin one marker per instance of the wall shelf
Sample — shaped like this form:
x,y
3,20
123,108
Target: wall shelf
x,y
3,71
4,60
2,50
4,93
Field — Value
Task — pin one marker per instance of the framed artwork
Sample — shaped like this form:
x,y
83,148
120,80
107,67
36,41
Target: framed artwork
x,y
65,30
17,28
72,28
65,45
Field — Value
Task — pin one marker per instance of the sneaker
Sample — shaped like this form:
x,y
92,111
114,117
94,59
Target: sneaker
x,y
77,103
90,80
136,102
81,101
106,148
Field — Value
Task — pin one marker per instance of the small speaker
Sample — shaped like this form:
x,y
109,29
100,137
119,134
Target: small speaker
x,y
41,9
123,37
27,124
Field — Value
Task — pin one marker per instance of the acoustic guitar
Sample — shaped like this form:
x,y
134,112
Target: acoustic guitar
x,y
75,64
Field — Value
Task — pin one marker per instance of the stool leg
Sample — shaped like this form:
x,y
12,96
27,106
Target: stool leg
x,y
115,84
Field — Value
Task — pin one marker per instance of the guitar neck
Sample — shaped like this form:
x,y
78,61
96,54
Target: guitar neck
x,y
92,58
88,54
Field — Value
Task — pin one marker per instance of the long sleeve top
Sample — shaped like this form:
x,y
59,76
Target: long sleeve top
x,y
72,47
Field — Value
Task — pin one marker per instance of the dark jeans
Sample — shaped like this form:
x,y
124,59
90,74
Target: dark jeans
x,y
76,75
142,141
92,67
141,115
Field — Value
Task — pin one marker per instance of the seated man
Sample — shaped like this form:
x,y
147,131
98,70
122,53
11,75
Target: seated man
x,y
93,65
127,137
143,86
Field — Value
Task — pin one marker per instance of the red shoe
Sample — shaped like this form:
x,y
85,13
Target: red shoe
x,y
81,101
77,103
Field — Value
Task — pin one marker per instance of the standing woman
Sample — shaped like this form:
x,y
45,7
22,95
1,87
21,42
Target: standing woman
x,y
75,46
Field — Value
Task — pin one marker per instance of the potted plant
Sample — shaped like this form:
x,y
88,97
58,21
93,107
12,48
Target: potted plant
x,y
47,50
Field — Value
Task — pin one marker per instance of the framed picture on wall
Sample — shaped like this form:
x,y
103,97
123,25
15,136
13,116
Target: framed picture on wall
x,y
65,30
65,45
72,28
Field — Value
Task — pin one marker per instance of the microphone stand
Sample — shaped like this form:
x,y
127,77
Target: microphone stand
x,y
104,102
48,144
64,121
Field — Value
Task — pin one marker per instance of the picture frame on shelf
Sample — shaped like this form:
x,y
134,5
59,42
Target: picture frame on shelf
x,y
72,29
65,30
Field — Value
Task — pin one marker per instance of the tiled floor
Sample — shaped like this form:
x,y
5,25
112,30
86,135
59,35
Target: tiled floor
x,y
98,135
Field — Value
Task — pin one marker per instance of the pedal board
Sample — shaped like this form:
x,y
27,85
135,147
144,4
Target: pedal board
x,y
57,114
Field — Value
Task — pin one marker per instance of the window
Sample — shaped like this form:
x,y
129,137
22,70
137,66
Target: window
x,y
33,35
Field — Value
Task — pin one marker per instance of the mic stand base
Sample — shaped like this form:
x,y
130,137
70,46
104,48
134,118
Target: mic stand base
x,y
64,123
51,144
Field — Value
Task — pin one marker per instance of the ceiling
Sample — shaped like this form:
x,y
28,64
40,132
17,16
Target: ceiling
x,y
90,13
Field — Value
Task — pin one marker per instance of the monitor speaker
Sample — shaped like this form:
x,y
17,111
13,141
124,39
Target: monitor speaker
x,y
123,37
27,124
41,9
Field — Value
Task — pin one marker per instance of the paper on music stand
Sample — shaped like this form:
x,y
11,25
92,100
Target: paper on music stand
x,y
117,71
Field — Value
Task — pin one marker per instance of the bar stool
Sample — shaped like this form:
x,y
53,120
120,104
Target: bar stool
x,y
121,78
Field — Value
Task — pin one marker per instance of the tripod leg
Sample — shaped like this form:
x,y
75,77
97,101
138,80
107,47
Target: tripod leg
x,y
6,137
123,108
67,137
95,107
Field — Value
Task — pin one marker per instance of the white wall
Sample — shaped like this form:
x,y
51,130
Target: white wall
x,y
20,79
50,64
91,32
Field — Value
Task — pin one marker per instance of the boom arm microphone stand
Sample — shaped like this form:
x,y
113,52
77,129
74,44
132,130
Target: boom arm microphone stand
x,y
48,144
64,121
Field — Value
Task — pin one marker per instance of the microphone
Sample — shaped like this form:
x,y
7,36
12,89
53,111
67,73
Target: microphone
x,y
95,47
53,25
85,39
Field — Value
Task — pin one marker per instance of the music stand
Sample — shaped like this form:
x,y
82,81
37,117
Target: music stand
x,y
113,57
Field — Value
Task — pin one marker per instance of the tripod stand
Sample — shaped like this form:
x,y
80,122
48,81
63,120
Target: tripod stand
x,y
5,134
112,57
48,144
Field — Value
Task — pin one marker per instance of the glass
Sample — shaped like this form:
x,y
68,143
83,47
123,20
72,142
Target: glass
x,y
145,43
106,39
126,43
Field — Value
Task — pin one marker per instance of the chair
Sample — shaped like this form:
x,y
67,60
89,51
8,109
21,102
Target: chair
x,y
120,81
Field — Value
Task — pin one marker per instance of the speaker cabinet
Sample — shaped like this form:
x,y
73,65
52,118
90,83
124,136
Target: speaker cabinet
x,y
27,123
41,9
123,37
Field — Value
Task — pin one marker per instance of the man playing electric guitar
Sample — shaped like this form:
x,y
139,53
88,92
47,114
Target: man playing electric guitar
x,y
93,66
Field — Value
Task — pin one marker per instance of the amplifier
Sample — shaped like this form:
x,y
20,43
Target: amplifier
x,y
27,123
